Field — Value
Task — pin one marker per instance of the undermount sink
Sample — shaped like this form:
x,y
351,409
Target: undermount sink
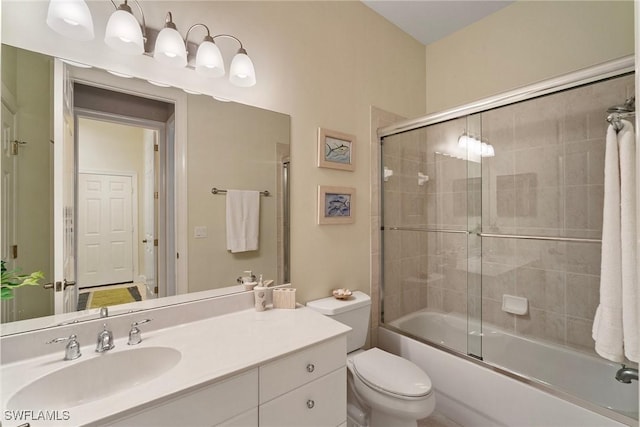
x,y
82,382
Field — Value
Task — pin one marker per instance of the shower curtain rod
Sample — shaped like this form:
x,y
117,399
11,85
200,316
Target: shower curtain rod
x,y
567,81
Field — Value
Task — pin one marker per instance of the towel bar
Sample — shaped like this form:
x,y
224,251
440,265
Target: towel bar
x,y
215,190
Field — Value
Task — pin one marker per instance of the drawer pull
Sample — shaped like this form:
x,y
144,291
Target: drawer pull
x,y
311,367
310,404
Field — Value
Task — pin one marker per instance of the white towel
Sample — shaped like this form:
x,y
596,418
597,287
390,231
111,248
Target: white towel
x,y
243,220
607,325
627,147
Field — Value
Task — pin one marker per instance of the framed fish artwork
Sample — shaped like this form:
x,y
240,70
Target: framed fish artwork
x,y
335,150
336,205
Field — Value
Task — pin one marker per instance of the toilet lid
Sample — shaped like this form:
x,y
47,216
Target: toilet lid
x,y
391,374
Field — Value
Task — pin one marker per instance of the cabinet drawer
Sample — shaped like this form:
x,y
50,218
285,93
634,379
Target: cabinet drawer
x,y
322,402
287,373
246,419
208,406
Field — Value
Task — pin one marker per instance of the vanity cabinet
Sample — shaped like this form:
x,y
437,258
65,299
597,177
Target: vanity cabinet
x,y
304,388
228,403
307,388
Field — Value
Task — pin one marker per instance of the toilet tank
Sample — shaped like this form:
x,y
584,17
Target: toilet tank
x,y
353,312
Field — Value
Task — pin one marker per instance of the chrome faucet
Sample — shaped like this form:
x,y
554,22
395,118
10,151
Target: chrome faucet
x,y
625,375
72,350
105,340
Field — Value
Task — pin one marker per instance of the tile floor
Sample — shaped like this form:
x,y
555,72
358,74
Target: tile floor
x,y
437,420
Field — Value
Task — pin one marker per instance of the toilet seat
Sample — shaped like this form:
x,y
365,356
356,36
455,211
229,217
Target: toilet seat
x,y
391,375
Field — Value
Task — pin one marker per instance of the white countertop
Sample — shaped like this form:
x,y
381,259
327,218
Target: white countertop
x,y
212,349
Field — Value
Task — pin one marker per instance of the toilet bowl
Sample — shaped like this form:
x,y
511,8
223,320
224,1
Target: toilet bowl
x,y
398,392
394,391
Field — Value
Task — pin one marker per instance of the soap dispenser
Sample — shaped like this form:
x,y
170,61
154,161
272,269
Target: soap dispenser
x,y
260,295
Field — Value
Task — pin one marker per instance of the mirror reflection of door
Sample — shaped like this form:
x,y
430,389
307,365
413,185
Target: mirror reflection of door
x,y
117,208
124,147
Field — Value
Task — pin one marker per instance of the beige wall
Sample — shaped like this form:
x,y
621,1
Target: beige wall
x,y
524,43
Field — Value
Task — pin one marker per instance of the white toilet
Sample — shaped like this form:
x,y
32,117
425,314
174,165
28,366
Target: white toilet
x,y
397,391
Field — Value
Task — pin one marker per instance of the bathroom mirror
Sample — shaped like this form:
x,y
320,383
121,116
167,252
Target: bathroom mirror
x,y
226,145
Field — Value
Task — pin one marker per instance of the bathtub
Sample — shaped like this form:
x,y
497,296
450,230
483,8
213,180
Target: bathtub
x,y
579,381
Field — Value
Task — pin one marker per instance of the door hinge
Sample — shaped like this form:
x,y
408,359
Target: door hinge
x,y
155,290
15,144
156,195
155,242
177,255
14,251
155,147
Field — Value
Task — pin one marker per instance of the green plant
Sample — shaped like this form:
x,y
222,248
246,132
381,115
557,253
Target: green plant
x,y
11,279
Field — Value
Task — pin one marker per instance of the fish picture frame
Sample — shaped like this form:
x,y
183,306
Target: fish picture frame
x,y
336,205
336,150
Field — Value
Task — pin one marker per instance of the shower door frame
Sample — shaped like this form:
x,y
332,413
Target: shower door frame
x,y
606,70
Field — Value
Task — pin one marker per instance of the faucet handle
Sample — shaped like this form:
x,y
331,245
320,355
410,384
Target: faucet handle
x,y
72,349
104,312
135,335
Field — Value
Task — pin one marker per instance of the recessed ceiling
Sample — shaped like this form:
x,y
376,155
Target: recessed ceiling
x,y
431,20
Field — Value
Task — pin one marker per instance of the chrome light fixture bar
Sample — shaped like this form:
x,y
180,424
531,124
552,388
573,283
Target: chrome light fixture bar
x,y
125,34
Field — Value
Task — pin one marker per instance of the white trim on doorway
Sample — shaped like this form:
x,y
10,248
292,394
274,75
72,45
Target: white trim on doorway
x,y
137,87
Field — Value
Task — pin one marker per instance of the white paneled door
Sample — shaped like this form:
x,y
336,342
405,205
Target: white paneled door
x,y
105,229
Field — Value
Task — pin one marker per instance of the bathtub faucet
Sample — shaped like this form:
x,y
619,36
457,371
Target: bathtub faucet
x,y
625,375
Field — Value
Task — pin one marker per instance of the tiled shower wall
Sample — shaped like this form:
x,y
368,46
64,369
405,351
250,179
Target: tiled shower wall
x,y
546,179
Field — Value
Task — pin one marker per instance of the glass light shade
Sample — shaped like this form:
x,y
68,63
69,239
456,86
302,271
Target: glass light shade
x,y
70,18
170,48
209,60
463,141
487,150
124,34
241,72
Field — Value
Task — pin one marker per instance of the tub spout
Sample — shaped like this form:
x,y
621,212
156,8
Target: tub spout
x,y
625,375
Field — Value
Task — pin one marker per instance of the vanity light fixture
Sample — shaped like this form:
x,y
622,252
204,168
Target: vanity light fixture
x,y
474,146
124,33
209,60
170,48
70,18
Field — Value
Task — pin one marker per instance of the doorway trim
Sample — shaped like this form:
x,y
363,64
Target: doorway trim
x,y
177,97
167,240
